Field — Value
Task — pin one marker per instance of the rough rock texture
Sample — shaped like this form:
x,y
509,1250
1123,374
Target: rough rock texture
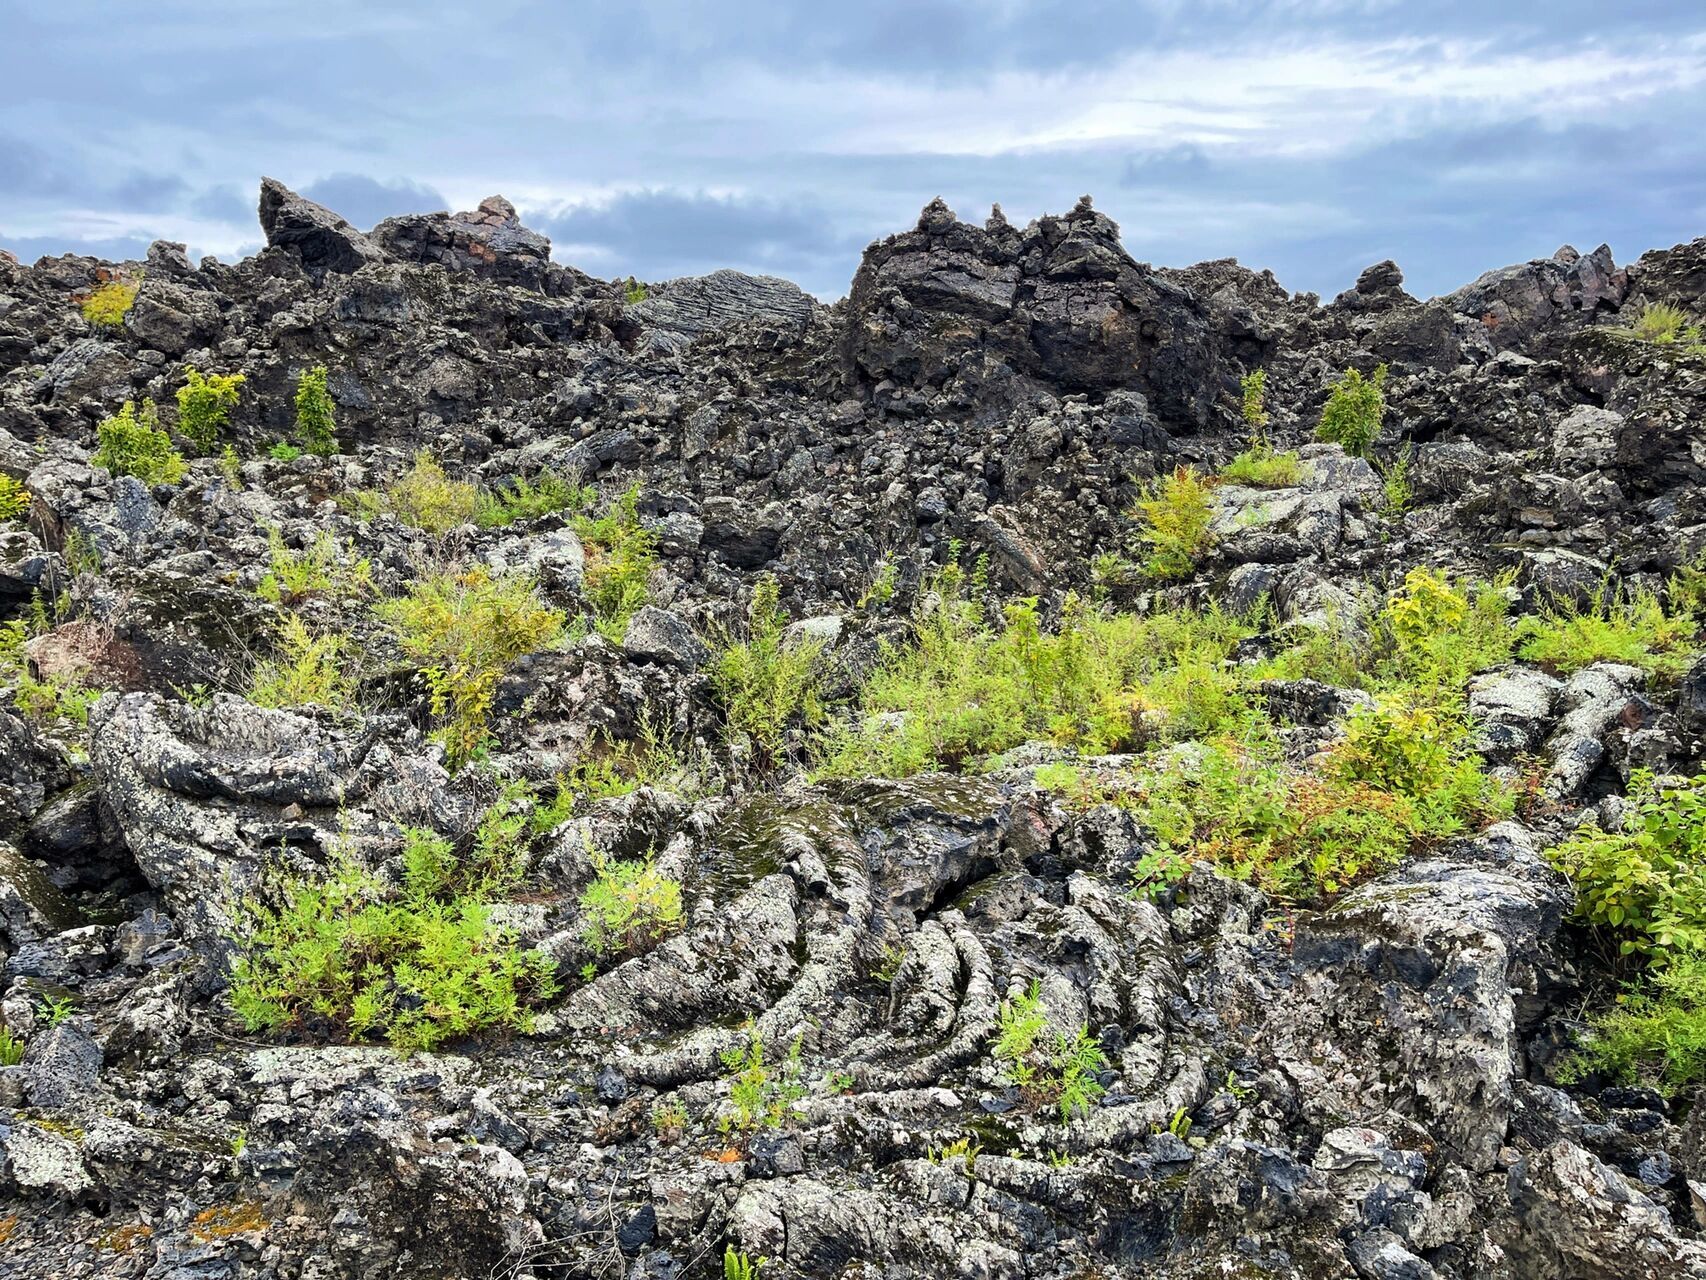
x,y
1367,1089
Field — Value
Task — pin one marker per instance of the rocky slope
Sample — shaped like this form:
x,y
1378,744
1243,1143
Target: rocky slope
x,y
1370,1086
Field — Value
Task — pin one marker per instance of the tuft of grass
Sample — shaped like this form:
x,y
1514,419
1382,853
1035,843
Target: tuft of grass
x,y
629,907
1664,323
1260,467
323,569
107,306
1175,515
132,444
424,497
306,669
1396,492
204,406
1354,409
11,1047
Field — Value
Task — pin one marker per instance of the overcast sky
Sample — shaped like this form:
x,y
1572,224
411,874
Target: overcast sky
x,y
663,139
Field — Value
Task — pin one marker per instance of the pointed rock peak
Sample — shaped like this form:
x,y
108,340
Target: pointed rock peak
x,y
1382,277
323,240
1085,208
1567,254
997,220
937,217
494,211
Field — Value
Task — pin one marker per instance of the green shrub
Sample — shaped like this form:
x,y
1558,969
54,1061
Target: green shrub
x,y
284,451
14,498
322,569
1057,1071
621,554
11,1047
205,404
736,1264
1421,753
305,670
1260,467
524,499
1176,515
1646,882
231,468
316,421
420,966
1354,410
1656,1032
1395,489
1253,391
107,306
629,907
635,292
1663,323
766,685
465,628
1634,629
1101,682
424,497
761,1095
132,444
1442,632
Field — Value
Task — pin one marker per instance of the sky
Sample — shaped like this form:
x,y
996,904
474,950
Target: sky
x,y
663,139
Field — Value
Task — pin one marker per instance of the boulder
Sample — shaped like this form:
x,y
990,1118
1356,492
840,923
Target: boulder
x,y
318,238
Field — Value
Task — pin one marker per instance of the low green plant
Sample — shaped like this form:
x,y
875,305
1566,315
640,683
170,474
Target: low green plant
x,y
316,420
1664,323
965,1149
465,628
1656,1032
635,292
132,444
284,451
1423,754
1060,1071
231,468
621,554
14,498
1253,393
881,589
1354,410
204,406
424,497
1176,516
51,701
418,966
55,1009
107,306
761,1094
1395,489
629,906
1646,883
306,669
322,570
766,684
11,1047
669,1121
737,1265
1633,629
528,499
1261,467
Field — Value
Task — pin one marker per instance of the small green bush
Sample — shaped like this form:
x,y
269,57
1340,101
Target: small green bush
x,y
1395,489
1656,1032
766,685
14,498
284,451
761,1095
1061,1071
305,670
629,907
132,444
1253,391
231,469
1421,753
1354,410
465,628
425,497
107,306
323,569
316,421
418,967
524,499
205,404
1176,516
621,554
1663,323
1260,467
1633,629
635,292
11,1047
736,1264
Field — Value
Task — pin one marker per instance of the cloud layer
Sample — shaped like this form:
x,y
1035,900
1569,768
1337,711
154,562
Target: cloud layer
x,y
659,139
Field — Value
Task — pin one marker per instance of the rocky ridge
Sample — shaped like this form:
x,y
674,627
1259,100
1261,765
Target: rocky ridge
x,y
1371,1088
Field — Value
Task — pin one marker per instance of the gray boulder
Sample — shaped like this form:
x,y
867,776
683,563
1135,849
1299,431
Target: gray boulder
x,y
320,239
